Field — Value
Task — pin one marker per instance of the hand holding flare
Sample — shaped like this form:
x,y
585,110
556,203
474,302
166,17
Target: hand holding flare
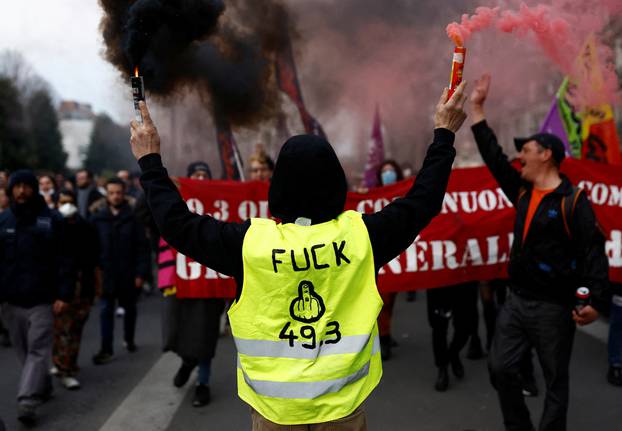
x,y
145,138
450,113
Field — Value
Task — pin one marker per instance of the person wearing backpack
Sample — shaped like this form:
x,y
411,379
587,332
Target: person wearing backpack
x,y
557,248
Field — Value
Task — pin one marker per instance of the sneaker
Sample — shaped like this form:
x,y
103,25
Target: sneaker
x,y
202,396
27,414
614,376
182,375
130,346
457,368
120,312
102,358
530,389
54,371
475,350
70,383
442,380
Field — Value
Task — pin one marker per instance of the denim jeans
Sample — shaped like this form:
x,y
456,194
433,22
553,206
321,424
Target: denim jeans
x,y
204,372
615,332
107,304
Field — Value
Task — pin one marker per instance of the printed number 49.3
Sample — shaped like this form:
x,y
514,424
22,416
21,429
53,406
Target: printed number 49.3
x,y
308,333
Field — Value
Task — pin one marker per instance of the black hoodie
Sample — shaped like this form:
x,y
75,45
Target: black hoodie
x,y
308,181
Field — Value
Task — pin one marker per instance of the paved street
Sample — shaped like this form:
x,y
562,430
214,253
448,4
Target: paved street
x,y
135,391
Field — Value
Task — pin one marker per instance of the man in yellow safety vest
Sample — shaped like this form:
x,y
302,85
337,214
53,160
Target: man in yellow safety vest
x,y
304,320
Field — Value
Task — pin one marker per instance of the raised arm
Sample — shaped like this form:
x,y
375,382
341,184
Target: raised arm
x,y
215,244
508,178
396,226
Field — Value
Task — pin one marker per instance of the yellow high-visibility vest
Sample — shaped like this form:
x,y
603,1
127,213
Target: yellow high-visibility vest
x,y
305,324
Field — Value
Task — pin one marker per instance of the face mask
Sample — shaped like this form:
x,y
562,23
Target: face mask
x,y
68,210
47,193
388,177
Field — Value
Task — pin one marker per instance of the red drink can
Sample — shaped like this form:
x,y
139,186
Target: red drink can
x,y
582,297
457,66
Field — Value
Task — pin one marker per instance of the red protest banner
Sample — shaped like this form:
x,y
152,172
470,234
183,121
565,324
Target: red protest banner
x,y
469,240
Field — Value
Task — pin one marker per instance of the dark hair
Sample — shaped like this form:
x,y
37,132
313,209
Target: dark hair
x,y
88,172
51,177
67,192
115,180
396,167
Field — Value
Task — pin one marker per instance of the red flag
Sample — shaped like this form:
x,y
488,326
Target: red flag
x,y
287,79
375,154
231,162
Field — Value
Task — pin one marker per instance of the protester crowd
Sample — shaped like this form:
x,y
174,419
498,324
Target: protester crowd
x,y
68,243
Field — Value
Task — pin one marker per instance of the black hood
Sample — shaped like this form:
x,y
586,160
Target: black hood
x,y
29,210
308,181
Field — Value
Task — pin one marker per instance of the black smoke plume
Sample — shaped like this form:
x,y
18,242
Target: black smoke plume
x,y
190,45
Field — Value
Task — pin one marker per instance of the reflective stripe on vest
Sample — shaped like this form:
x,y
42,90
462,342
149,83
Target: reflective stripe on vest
x,y
305,323
308,390
282,349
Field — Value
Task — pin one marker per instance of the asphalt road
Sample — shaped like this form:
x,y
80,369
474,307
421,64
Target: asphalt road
x,y
135,391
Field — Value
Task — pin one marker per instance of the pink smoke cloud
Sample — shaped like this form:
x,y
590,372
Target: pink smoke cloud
x,y
484,18
560,30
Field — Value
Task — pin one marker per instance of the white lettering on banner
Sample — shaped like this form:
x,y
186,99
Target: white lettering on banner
x,y
251,209
415,255
380,204
472,254
614,249
395,265
369,205
210,274
473,201
493,249
195,206
223,210
188,270
443,255
603,194
365,206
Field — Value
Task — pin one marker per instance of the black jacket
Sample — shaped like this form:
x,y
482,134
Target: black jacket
x,y
123,249
550,264
317,193
35,267
83,247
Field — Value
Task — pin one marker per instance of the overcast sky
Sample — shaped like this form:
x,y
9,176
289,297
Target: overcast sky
x,y
60,39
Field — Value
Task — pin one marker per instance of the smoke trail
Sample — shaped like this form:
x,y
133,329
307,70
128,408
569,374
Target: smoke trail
x,y
189,45
483,18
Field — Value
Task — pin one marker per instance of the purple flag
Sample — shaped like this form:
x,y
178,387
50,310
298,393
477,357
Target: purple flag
x,y
553,124
375,155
